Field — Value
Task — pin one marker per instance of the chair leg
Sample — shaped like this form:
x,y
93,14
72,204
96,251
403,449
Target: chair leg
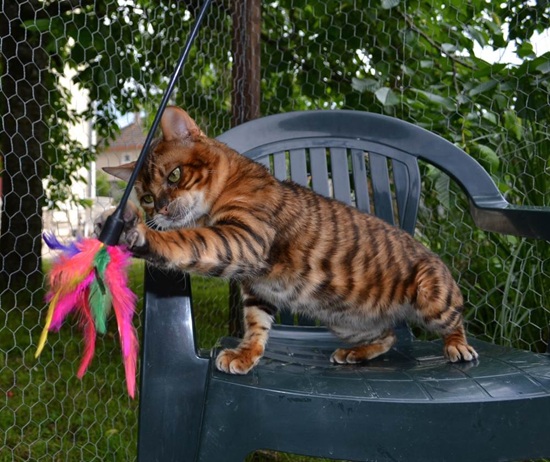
x,y
173,376
216,453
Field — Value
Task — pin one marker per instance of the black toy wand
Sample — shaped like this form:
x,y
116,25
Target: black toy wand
x,y
114,225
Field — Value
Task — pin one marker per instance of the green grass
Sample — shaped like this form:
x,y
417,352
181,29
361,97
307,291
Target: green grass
x,y
47,414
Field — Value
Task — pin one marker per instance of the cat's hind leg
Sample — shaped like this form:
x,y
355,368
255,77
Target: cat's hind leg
x,y
369,349
439,305
258,318
456,346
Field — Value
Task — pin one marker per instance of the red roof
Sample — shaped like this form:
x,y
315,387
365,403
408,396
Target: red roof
x,y
131,138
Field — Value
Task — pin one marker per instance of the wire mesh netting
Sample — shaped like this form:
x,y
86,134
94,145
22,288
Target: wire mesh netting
x,y
80,84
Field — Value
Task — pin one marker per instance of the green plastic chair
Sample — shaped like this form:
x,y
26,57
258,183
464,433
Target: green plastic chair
x,y
407,405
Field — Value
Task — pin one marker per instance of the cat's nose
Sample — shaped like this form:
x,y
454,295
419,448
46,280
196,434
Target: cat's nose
x,y
161,205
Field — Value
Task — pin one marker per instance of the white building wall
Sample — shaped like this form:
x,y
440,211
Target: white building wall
x,y
72,220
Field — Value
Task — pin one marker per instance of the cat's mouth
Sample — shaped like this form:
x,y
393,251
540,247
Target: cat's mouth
x,y
181,214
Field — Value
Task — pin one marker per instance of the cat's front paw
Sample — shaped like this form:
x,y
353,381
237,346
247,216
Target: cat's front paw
x,y
134,231
99,221
238,360
131,216
135,239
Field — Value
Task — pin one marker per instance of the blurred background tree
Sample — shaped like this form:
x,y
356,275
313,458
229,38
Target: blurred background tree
x,y
418,60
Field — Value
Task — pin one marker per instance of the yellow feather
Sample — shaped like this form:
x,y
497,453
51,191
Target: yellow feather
x,y
44,335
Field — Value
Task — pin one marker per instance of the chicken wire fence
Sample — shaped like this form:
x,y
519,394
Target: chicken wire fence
x,y
80,84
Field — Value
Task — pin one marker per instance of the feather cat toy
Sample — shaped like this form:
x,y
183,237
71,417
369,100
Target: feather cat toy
x,y
87,279
89,276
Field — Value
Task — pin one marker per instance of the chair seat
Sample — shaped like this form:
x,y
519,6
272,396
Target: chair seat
x,y
492,409
413,371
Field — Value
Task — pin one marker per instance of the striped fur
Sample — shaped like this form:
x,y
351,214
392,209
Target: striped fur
x,y
214,212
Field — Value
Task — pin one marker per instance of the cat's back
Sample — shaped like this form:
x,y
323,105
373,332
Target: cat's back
x,y
302,208
306,225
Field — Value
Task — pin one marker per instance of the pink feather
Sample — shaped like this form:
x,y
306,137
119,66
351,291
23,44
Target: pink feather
x,y
69,271
70,302
123,305
89,331
70,279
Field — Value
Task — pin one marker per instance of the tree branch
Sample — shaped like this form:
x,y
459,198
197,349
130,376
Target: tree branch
x,y
432,42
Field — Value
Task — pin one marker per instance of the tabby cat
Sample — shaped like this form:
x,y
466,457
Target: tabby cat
x,y
212,211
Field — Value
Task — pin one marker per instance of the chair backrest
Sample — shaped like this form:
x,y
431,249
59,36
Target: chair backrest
x,y
366,160
373,177
377,133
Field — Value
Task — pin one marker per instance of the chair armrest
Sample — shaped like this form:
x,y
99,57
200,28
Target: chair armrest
x,y
168,294
502,217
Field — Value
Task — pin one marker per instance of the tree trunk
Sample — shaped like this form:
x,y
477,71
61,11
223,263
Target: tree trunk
x,y
245,92
245,101
23,103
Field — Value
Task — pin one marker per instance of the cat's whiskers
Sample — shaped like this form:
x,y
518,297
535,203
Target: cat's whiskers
x,y
180,215
182,212
150,222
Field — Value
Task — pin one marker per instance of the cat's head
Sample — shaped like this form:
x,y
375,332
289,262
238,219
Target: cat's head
x,y
175,185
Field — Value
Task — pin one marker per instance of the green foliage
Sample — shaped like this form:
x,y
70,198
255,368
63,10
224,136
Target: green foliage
x,y
121,54
103,186
506,279
414,60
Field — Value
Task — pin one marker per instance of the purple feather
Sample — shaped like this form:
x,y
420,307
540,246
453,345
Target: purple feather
x,y
53,243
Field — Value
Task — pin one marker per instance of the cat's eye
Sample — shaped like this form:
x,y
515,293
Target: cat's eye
x,y
175,176
147,199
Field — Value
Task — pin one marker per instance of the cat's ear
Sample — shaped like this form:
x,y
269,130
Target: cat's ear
x,y
176,124
123,171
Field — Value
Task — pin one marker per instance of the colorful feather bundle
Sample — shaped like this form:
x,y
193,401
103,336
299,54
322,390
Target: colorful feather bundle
x,y
89,276
87,279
